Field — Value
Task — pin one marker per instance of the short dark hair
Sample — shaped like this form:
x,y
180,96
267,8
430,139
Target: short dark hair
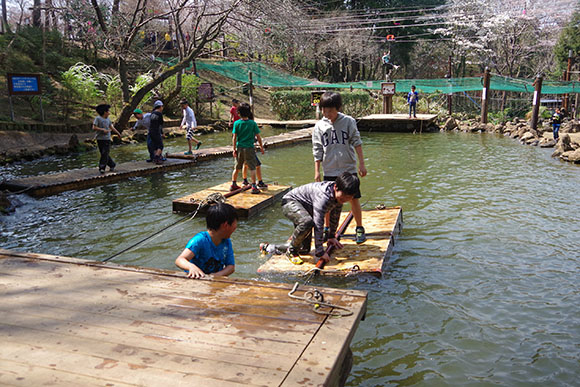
x,y
413,87
245,111
218,214
331,99
347,183
102,108
235,101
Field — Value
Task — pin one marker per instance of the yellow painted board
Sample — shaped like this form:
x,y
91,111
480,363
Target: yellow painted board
x,y
381,226
246,203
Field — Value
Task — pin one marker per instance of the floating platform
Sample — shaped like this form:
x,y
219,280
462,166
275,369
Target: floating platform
x,y
72,322
398,123
381,226
284,139
245,203
51,184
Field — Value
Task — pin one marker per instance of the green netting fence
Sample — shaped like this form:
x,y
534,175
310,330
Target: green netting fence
x,y
266,76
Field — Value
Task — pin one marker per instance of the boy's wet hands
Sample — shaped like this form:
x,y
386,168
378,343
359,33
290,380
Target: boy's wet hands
x,y
195,272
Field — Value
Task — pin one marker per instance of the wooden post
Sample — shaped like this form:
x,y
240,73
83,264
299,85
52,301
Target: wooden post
x,y
536,101
449,95
250,91
484,95
566,103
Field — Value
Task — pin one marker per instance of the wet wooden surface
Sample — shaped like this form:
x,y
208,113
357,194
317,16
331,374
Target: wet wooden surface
x,y
54,183
381,226
396,122
246,203
67,321
283,139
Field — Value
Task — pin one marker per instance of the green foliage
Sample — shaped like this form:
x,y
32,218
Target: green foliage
x,y
295,104
166,91
80,87
113,92
569,40
140,81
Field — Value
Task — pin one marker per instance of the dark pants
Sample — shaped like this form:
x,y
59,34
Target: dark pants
x,y
555,131
301,239
413,107
150,147
104,149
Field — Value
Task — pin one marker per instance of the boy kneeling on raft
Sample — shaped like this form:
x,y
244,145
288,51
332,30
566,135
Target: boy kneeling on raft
x,y
306,207
211,251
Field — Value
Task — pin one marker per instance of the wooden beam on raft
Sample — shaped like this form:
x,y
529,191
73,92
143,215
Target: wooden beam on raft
x,y
370,257
536,101
485,95
70,321
245,203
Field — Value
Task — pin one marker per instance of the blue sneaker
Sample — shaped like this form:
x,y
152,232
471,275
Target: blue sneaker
x,y
360,235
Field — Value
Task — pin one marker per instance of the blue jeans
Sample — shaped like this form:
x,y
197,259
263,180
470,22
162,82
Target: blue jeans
x,y
150,147
413,107
556,130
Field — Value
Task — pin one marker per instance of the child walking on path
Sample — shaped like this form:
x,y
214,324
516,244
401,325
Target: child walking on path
x,y
556,122
335,141
234,116
211,251
307,206
189,124
103,126
244,132
412,99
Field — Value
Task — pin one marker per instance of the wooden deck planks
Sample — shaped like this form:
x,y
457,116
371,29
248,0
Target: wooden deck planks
x,y
245,203
382,226
71,321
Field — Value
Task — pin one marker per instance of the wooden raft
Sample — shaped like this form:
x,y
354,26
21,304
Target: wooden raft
x,y
381,226
284,139
83,178
245,203
72,322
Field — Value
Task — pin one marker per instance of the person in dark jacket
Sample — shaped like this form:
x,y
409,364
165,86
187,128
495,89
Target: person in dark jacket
x,y
156,132
556,122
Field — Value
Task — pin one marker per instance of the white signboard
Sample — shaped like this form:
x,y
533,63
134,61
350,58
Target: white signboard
x,y
388,88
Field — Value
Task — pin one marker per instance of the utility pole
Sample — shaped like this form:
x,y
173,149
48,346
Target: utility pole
x,y
484,95
566,103
536,101
5,27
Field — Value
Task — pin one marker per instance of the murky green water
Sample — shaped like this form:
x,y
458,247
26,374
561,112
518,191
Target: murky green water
x,y
483,286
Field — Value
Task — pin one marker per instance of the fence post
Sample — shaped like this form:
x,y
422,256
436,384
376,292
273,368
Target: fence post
x,y
484,95
536,101
566,103
449,95
251,92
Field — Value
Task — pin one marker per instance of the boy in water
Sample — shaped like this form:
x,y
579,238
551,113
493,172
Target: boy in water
x,y
103,126
335,141
306,206
211,251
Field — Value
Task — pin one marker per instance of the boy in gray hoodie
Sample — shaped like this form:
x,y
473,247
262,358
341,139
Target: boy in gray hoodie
x,y
335,142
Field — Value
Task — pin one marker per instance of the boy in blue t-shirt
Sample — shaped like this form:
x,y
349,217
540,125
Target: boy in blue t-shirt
x,y
211,251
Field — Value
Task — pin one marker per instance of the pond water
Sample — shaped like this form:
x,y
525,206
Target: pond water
x,y
483,286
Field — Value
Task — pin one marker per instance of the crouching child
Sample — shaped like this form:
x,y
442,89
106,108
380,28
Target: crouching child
x,y
211,251
307,205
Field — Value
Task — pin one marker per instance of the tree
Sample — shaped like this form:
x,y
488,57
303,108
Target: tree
x,y
569,40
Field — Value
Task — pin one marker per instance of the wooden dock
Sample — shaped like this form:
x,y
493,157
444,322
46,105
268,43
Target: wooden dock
x,y
382,227
290,124
245,203
284,139
398,123
67,321
83,178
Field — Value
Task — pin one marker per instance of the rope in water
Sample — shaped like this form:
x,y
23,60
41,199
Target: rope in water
x,y
215,197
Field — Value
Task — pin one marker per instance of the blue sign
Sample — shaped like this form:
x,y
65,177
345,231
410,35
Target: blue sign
x,y
23,84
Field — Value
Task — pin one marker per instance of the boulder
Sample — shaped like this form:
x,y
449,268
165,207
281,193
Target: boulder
x,y
526,136
547,143
450,124
563,145
73,142
573,156
570,127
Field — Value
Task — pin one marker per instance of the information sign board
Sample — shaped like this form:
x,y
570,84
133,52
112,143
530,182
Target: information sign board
x,y
315,97
23,84
205,92
388,88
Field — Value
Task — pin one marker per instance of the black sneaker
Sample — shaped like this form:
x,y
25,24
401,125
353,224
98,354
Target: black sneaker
x,y
245,182
263,185
360,235
255,190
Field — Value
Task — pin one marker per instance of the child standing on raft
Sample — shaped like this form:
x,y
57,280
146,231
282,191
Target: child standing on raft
x,y
335,141
244,132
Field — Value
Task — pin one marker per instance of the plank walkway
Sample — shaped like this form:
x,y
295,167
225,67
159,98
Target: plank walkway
x,y
83,178
72,322
382,227
246,203
396,122
290,124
